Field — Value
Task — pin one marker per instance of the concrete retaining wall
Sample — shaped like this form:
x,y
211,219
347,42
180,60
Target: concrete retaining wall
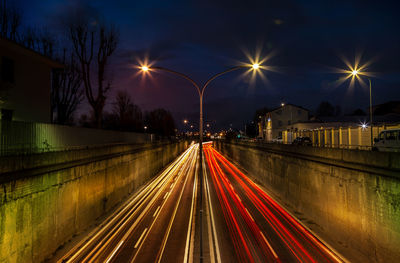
x,y
45,199
349,198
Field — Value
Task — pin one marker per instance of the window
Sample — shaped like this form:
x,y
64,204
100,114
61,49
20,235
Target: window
x,y
6,114
382,136
279,112
298,112
7,70
391,135
279,123
289,122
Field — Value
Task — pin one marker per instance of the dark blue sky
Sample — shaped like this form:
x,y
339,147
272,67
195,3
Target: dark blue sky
x,y
201,38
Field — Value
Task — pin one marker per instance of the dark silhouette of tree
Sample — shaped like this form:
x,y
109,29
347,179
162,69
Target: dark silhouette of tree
x,y
42,41
93,45
359,112
260,112
66,93
338,111
251,129
160,122
10,21
325,109
129,116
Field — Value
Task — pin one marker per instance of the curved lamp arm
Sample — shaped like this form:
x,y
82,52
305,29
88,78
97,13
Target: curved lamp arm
x,y
181,75
217,75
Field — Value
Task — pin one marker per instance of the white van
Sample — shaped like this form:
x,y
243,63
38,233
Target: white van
x,y
388,141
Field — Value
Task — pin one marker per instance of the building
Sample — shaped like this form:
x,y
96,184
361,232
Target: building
x,y
25,83
276,121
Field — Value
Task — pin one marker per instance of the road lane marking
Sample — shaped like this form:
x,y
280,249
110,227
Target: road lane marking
x,y
214,236
166,236
114,251
270,248
140,238
158,208
238,197
190,235
155,219
249,214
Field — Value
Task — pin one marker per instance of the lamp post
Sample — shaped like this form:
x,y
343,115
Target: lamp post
x,y
200,90
355,73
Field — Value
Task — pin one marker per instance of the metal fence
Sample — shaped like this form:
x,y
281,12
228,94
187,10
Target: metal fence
x,y
26,137
343,137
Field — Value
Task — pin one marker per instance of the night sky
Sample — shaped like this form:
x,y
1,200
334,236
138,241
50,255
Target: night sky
x,y
305,39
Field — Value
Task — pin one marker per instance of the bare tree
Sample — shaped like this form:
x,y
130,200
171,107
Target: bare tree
x,y
128,114
10,21
42,41
160,121
93,45
66,93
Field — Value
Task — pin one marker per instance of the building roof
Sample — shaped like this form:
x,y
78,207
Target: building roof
x,y
288,104
29,52
388,118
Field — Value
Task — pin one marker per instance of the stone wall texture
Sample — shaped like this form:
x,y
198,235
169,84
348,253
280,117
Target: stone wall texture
x,y
350,198
46,199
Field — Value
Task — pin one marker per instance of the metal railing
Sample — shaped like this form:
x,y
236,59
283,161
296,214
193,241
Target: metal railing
x,y
28,138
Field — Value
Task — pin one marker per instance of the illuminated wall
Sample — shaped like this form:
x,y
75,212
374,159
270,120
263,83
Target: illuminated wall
x,y
350,198
46,199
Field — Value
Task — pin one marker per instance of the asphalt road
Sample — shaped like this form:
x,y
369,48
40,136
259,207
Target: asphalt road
x,y
240,222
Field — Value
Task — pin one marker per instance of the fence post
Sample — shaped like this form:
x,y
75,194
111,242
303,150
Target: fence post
x,y
349,136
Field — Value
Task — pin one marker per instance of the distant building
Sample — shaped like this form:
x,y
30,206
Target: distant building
x,y
25,83
276,121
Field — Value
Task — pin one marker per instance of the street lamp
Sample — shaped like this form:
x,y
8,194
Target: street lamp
x,y
200,89
354,72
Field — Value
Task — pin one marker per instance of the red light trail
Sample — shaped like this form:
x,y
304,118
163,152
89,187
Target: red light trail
x,y
252,243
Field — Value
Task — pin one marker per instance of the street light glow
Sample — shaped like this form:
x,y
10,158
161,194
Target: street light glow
x,y
256,66
145,68
354,72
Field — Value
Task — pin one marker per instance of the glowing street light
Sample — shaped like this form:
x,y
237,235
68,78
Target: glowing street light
x,y
355,72
185,121
255,66
144,68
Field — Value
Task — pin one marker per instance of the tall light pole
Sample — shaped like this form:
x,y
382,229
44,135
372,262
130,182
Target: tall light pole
x,y
200,91
355,73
